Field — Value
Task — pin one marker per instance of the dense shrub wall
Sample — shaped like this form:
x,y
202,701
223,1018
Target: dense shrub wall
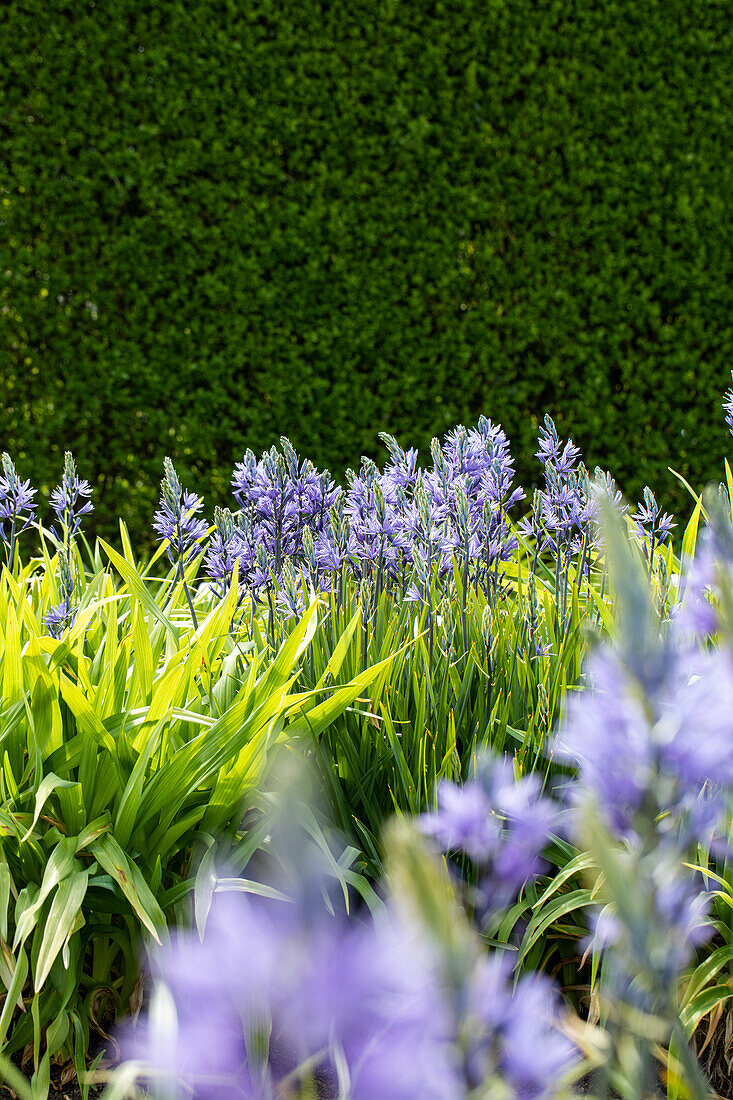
x,y
223,220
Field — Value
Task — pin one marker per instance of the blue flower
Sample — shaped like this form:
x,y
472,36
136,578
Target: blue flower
x,y
501,823
728,407
69,500
176,519
59,618
17,507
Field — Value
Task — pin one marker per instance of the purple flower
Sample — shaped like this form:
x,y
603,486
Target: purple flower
x,y
68,499
502,824
562,511
728,407
226,548
17,507
552,451
651,933
514,1031
653,527
176,519
364,997
667,752
373,991
59,618
282,497
464,820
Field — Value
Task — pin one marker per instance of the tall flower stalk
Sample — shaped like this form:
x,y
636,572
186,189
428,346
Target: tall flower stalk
x,y
177,522
17,508
70,501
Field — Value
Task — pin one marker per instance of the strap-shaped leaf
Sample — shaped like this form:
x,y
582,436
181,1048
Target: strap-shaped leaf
x,y
20,973
46,715
131,796
316,719
87,720
65,909
45,789
60,864
143,654
131,577
12,668
129,878
5,879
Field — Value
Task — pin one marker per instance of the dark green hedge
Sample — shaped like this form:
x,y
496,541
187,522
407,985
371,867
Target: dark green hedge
x,y
223,220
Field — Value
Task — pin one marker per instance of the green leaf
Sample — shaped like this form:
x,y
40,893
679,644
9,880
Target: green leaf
x,y
20,974
138,588
60,864
65,908
127,875
46,787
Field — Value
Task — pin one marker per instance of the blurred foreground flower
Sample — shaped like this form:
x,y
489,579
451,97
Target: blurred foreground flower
x,y
501,823
282,998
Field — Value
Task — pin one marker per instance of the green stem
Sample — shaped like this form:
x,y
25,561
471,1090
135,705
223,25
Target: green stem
x,y
182,576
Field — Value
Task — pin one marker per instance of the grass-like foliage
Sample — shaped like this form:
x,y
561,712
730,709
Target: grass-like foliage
x,y
127,746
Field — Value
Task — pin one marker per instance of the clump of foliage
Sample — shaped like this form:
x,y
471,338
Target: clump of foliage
x,y
130,739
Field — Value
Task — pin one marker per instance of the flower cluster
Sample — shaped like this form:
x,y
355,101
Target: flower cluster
x,y
61,616
728,407
652,527
394,527
561,511
17,506
176,519
513,1033
358,1004
652,743
70,500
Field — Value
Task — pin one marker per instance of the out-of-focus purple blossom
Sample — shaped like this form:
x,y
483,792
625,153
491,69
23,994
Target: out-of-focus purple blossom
x,y
17,506
464,820
177,519
70,500
502,824
364,998
654,932
375,989
514,1031
672,749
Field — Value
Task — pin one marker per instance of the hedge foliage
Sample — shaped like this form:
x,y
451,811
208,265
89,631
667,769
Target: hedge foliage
x,y
231,219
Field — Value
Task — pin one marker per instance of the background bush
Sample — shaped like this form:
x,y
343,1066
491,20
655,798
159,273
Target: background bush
x,y
224,221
